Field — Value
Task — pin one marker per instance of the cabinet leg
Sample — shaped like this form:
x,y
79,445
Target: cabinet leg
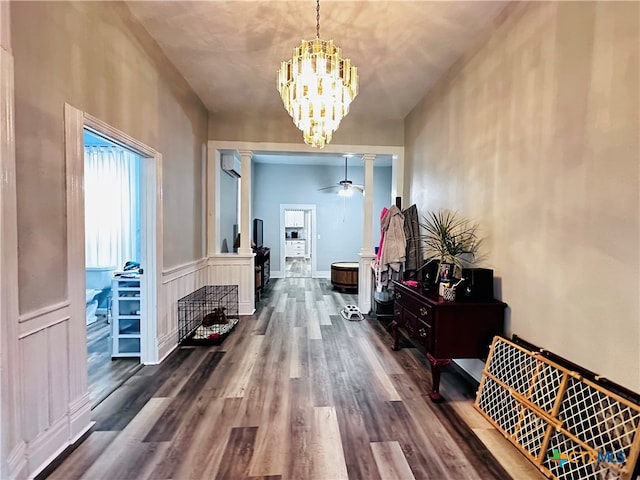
x,y
393,327
436,366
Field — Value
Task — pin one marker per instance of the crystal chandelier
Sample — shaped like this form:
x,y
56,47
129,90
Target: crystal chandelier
x,y
317,86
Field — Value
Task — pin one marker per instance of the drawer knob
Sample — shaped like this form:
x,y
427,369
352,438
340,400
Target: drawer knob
x,y
423,311
422,332
397,296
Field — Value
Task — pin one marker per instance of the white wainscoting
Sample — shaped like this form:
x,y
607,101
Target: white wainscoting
x,y
51,419
235,269
17,462
365,282
177,282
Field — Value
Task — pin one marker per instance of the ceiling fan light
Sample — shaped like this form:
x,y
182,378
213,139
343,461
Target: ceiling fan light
x,y
345,192
317,86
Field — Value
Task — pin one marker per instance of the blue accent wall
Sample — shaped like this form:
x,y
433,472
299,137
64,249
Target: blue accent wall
x,y
339,220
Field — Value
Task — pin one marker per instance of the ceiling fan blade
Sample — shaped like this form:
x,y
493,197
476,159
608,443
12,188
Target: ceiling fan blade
x,y
327,188
358,187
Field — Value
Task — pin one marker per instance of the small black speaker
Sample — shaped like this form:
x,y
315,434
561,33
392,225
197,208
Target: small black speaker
x,y
429,274
477,285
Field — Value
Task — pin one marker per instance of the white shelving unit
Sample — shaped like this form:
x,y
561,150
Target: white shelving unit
x,y
125,321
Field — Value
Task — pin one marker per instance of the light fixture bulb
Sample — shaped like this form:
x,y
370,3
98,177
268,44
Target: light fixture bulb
x,y
345,192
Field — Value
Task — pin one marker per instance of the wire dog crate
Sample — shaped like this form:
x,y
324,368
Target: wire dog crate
x,y
207,316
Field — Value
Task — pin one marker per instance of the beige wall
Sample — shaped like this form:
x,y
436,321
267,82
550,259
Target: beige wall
x,y
255,127
85,54
536,137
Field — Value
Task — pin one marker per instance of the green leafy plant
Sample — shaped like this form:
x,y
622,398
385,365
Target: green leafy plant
x,y
450,238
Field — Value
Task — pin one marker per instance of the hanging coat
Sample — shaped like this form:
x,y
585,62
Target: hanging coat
x,y
395,244
412,234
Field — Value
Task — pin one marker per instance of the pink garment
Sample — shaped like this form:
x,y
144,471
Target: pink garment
x,y
382,214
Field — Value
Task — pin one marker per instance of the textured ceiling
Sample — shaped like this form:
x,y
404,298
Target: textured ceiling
x,y
230,51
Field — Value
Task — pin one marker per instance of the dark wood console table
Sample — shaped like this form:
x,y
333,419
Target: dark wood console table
x,y
263,269
446,330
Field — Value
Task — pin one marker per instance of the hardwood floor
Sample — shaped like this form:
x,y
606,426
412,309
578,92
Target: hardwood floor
x,y
295,392
296,267
105,374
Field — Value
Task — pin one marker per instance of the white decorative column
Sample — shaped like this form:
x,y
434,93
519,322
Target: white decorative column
x,y
212,200
247,289
245,203
367,253
12,448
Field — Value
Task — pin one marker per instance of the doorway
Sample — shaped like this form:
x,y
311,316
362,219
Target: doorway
x,y
150,181
112,238
298,240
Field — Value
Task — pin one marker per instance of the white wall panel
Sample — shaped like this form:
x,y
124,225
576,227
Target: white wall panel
x,y
177,282
235,269
35,384
58,366
50,422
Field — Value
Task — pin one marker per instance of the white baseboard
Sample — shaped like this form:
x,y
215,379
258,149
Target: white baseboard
x,y
17,462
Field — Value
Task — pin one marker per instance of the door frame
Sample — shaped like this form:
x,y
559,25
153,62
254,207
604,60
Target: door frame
x,y
306,207
150,224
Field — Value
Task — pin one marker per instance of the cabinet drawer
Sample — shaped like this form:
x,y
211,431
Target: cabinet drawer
x,y
294,249
424,333
417,306
400,298
411,323
426,314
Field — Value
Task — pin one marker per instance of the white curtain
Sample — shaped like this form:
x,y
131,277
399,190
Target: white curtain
x,y
111,206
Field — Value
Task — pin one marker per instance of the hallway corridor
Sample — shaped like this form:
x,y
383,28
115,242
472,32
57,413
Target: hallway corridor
x,y
295,392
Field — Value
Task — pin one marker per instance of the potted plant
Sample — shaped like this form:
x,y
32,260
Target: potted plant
x,y
451,240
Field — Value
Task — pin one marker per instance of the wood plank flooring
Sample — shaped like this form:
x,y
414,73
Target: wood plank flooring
x,y
105,374
295,392
297,267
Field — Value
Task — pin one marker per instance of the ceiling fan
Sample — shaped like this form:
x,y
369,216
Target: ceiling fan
x,y
345,187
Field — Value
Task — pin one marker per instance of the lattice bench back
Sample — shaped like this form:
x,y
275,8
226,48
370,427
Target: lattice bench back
x,y
568,426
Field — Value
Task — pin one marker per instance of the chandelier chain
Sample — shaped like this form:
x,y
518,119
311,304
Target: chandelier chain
x,y
317,18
